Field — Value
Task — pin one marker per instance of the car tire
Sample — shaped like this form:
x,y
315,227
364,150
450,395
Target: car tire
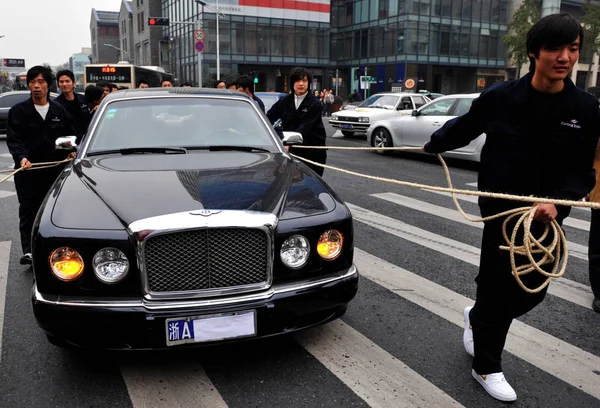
x,y
381,138
347,133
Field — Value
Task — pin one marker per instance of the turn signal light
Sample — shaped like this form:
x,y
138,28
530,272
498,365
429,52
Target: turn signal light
x,y
330,243
66,264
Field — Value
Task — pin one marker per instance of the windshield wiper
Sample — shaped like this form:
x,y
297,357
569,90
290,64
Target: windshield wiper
x,y
163,150
222,148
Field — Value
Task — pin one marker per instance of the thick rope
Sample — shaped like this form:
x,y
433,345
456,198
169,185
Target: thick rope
x,y
34,166
555,254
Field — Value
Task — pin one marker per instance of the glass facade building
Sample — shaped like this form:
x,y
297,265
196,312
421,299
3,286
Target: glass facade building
x,y
249,42
444,45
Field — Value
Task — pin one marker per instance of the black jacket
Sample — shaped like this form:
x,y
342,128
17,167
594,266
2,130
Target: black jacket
x,y
80,113
307,120
29,136
528,150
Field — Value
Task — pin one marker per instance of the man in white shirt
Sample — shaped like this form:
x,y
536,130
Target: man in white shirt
x,y
32,129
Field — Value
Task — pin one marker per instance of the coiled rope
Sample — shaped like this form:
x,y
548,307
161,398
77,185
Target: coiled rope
x,y
555,254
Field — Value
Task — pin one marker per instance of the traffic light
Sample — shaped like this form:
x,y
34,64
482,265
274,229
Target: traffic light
x,y
158,21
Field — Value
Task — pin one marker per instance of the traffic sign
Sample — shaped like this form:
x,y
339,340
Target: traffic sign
x,y
409,84
199,46
199,35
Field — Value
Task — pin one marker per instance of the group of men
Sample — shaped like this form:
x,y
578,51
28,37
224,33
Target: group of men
x,y
541,138
242,83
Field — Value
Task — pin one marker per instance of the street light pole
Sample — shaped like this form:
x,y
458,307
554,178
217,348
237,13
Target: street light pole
x,y
218,15
118,49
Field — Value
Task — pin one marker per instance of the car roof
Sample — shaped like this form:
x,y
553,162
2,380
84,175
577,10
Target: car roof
x,y
53,94
174,92
454,96
398,93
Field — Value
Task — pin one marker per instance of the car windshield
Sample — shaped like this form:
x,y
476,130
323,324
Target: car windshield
x,y
196,122
380,101
268,100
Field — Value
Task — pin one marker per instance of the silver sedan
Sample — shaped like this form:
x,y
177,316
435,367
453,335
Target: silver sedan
x,y
416,130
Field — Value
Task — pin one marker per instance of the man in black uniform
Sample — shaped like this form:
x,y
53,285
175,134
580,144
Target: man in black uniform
x,y
33,127
245,84
75,104
300,112
541,133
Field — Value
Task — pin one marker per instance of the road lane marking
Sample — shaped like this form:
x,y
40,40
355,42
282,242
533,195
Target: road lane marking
x,y
4,259
564,361
4,193
474,184
569,221
376,376
576,250
170,384
572,291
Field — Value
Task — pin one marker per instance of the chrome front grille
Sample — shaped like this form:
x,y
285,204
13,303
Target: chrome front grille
x,y
347,119
207,259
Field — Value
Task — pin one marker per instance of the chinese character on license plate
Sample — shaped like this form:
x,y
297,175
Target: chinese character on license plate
x,y
210,328
345,126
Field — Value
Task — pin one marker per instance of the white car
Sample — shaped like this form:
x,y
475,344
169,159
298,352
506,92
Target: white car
x,y
416,129
377,107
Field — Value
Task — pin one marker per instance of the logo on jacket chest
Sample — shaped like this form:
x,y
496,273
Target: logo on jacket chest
x,y
573,124
55,119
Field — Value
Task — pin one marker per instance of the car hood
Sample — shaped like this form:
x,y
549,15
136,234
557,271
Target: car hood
x,y
372,112
135,187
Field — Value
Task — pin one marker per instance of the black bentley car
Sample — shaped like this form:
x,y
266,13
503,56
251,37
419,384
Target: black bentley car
x,y
184,221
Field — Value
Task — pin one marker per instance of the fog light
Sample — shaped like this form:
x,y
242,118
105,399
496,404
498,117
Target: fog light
x,y
294,251
66,264
330,245
110,265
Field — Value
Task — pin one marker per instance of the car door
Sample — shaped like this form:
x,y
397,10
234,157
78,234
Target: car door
x,y
6,102
462,106
418,129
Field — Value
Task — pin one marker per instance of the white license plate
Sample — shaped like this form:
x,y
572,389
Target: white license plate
x,y
215,327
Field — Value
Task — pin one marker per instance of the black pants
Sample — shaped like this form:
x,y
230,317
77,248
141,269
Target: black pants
x,y
594,253
32,187
499,297
316,155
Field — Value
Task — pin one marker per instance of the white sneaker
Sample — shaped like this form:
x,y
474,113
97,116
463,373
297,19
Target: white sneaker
x,y
496,385
468,334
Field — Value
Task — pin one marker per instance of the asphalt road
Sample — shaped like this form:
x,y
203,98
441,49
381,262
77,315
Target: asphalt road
x,y
399,345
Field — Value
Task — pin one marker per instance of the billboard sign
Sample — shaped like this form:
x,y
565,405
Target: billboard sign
x,y
309,10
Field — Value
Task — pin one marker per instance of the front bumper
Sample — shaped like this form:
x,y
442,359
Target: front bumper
x,y
140,324
350,126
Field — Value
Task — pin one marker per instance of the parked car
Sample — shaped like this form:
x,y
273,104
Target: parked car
x,y
377,107
269,98
8,100
430,95
178,226
416,130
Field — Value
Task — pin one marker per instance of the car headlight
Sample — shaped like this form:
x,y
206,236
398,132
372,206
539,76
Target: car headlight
x,y
334,117
363,119
294,251
110,265
330,245
66,264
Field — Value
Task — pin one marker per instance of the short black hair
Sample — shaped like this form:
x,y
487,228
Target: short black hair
x,y
114,86
230,80
142,81
297,73
93,93
166,80
37,70
66,72
555,30
186,84
218,81
245,82
103,83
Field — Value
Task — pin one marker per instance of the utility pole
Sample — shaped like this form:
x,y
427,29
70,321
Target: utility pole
x,y
337,82
365,97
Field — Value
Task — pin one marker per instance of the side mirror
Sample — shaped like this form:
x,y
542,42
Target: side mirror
x,y
66,143
415,112
292,138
